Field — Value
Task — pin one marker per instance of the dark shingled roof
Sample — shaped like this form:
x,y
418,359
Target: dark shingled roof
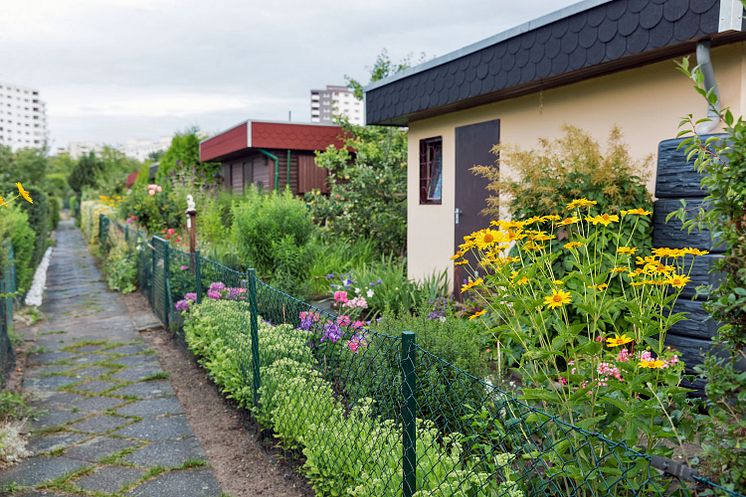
x,y
608,36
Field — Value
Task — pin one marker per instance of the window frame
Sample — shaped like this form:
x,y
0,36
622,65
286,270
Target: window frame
x,y
427,168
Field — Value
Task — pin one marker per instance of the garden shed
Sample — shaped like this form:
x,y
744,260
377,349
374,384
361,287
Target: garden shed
x,y
271,155
596,64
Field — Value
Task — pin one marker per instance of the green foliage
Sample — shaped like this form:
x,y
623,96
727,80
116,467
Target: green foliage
x,y
154,213
561,170
14,225
40,218
722,163
104,172
271,232
330,258
348,450
121,268
382,68
368,189
182,160
14,406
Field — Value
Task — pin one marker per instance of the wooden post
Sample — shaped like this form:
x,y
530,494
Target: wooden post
x,y
191,223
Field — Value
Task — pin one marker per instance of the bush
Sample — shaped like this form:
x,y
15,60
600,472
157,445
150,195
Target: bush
x,y
561,170
271,232
14,225
121,268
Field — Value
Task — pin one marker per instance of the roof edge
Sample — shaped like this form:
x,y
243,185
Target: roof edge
x,y
531,25
248,122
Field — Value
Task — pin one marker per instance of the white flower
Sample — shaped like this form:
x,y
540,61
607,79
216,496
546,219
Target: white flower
x,y
370,293
357,291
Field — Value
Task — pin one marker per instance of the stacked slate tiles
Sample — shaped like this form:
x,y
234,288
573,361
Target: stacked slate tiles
x,y
676,181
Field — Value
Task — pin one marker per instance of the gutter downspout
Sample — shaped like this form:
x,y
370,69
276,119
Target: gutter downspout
x,y
704,62
287,171
277,166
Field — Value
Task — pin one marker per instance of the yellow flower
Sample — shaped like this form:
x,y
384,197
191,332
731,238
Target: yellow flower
x,y
557,282
26,196
572,245
477,314
617,341
3,203
542,237
626,250
636,212
471,284
552,217
601,287
532,246
457,255
486,237
652,364
462,262
522,281
508,225
534,220
569,220
677,280
617,270
558,298
579,203
605,219
695,252
637,283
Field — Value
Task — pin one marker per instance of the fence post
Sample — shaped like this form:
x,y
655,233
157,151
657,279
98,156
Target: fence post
x,y
409,415
151,278
197,276
126,233
166,275
254,325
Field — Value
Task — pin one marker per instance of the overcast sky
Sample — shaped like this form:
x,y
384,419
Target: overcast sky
x,y
113,70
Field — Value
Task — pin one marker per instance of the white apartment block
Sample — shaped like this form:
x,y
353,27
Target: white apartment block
x,y
23,117
336,101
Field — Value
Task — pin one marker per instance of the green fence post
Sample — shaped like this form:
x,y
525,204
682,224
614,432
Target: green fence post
x,y
166,275
254,325
126,233
197,275
409,415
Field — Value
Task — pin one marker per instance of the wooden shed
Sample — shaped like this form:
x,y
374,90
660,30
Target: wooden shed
x,y
272,155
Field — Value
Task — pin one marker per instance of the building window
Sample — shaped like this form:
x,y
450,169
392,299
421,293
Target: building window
x,y
431,171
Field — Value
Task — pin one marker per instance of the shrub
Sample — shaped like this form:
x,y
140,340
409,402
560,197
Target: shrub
x,y
270,232
560,170
121,268
14,225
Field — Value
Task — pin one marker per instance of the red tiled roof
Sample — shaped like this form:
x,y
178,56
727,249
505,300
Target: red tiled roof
x,y
270,135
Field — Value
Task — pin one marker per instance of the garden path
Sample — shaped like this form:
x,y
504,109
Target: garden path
x,y
110,423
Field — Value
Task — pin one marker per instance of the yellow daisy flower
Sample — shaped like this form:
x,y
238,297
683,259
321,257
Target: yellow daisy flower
x,y
636,212
579,203
558,298
618,341
605,219
626,250
677,280
26,195
652,364
569,220
573,245
471,284
617,270
477,314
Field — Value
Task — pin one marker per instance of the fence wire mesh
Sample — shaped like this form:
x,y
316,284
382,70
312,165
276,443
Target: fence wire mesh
x,y
377,414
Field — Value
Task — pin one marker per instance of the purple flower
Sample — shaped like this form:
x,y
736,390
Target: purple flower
x,y
192,297
214,294
236,293
332,332
379,281
218,286
330,276
182,305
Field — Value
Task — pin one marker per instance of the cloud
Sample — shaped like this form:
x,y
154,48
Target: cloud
x,y
153,64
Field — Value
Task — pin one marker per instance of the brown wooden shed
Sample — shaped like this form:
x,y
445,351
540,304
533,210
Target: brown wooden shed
x,y
272,155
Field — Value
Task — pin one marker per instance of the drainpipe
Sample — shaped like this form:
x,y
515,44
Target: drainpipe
x,y
287,171
277,166
704,61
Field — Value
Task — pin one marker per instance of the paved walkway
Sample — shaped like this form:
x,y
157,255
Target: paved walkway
x,y
110,423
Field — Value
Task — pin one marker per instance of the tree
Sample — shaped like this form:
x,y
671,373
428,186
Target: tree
x,y
181,160
382,68
85,171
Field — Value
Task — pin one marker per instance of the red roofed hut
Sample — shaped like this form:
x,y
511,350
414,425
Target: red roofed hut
x,y
272,155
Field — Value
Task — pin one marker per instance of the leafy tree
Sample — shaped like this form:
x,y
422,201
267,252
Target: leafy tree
x,y
85,171
181,160
382,68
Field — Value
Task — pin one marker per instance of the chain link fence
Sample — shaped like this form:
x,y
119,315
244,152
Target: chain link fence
x,y
7,294
378,415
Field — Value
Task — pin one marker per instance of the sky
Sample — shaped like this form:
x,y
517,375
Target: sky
x,y
117,70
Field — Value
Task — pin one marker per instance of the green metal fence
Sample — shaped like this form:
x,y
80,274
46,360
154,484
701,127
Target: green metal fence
x,y
7,293
378,413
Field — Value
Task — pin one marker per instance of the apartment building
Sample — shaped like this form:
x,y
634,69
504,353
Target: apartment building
x,y
336,101
23,117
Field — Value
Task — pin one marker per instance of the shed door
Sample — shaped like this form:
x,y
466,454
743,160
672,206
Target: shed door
x,y
473,147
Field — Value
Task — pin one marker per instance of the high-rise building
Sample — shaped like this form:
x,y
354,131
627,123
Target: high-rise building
x,y
23,117
335,101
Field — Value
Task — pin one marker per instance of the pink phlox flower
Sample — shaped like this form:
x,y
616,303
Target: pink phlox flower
x,y
191,296
214,294
340,296
563,380
343,320
645,355
358,325
606,370
623,356
357,303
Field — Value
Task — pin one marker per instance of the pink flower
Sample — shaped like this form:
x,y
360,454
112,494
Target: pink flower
x,y
183,268
623,355
673,360
357,303
343,320
606,370
599,338
171,231
151,192
563,380
340,296
353,345
358,325
645,355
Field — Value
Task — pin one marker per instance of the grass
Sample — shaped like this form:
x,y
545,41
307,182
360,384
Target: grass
x,y
161,375
14,406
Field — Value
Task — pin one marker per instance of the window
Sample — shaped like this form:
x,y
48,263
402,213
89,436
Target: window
x,y
431,171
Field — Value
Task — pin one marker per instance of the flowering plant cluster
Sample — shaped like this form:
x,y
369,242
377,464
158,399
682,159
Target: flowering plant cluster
x,y
216,291
599,356
171,235
153,189
110,201
332,330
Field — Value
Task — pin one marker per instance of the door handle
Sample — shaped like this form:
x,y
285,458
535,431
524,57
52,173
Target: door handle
x,y
457,215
